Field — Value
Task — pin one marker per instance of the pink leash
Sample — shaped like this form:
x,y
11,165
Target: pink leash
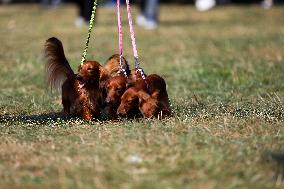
x,y
133,41
119,23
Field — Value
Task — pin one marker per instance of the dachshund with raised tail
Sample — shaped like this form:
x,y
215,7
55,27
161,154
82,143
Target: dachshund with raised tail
x,y
81,93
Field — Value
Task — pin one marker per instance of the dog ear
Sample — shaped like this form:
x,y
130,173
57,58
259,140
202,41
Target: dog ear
x,y
143,96
79,67
103,73
155,94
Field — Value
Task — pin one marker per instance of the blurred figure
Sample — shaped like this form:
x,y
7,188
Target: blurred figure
x,y
204,5
267,4
110,3
53,3
148,18
85,12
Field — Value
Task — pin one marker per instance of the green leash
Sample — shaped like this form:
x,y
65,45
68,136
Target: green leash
x,y
89,32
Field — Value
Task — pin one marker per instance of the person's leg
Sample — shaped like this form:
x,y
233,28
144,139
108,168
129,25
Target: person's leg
x,y
87,10
44,2
149,14
142,6
80,21
151,10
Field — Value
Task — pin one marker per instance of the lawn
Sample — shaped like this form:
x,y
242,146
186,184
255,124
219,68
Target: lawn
x,y
225,76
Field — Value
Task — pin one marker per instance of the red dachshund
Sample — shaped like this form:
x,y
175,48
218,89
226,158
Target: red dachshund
x,y
155,103
81,94
116,83
150,98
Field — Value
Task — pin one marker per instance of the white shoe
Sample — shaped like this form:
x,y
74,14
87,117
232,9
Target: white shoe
x,y
141,20
267,4
80,22
204,5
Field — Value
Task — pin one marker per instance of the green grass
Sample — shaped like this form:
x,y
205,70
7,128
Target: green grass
x,y
225,75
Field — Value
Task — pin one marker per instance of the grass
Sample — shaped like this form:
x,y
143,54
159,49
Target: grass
x,y
224,70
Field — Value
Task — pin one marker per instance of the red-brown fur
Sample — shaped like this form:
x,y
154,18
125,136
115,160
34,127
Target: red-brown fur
x,y
152,98
116,83
113,68
155,103
81,94
129,105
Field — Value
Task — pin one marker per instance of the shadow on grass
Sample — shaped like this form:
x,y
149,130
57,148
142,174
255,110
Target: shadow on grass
x,y
39,119
53,117
277,158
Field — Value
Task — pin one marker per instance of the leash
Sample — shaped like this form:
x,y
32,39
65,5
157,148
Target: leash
x,y
89,32
119,24
133,41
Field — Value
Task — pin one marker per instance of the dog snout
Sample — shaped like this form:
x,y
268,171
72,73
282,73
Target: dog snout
x,y
108,100
79,77
121,112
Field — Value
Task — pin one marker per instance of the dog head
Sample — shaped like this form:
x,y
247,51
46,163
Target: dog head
x,y
152,106
116,86
88,73
148,104
113,66
129,102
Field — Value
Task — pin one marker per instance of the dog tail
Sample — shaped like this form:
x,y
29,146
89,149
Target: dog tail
x,y
57,67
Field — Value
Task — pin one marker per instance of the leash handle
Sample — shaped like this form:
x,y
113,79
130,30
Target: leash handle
x,y
89,32
119,24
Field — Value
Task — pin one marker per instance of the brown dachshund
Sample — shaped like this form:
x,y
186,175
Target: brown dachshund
x,y
150,98
155,103
129,105
116,84
81,94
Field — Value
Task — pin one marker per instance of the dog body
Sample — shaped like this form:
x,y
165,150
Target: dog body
x,y
81,94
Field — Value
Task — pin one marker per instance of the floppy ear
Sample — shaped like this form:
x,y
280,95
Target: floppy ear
x,y
104,76
103,73
155,94
143,96
79,67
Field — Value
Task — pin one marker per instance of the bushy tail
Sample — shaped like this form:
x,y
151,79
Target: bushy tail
x,y
56,65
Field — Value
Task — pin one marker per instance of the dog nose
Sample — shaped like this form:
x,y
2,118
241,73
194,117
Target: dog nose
x,y
107,100
121,113
79,77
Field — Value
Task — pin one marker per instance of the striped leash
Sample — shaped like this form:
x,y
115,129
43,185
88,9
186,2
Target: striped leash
x,y
119,24
91,24
133,41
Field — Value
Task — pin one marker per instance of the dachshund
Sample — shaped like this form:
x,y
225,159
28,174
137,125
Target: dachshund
x,y
81,94
155,103
149,98
116,83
